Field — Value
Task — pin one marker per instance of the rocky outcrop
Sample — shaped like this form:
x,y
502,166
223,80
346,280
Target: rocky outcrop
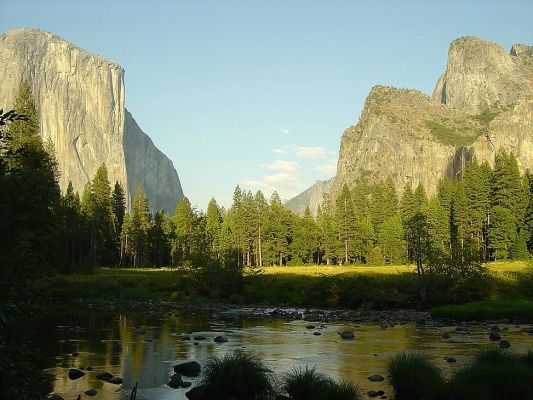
x,y
481,74
484,94
311,198
80,101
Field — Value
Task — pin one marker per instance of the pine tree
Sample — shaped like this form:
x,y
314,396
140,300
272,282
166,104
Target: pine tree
x,y
118,206
306,242
160,240
261,208
139,228
102,224
502,232
384,203
519,249
407,213
30,231
213,226
391,240
328,232
345,219
184,220
277,231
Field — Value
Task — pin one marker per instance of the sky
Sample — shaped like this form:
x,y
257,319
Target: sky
x,y
258,93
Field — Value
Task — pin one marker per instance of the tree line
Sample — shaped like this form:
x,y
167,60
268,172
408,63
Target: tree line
x,y
486,214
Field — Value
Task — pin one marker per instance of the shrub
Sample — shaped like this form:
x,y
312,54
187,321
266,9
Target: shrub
x,y
412,376
494,374
237,375
308,384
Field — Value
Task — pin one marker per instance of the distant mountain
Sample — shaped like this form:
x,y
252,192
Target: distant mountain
x,y
80,100
402,133
311,198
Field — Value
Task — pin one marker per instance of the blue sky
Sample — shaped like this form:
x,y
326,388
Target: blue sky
x,y
258,93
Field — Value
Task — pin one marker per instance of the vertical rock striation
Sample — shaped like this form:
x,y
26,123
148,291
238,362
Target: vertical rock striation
x,y
80,101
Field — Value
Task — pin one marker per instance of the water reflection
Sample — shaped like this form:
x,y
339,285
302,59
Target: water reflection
x,y
108,341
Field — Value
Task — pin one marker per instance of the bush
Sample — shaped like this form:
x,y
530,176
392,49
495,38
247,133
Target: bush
x,y
413,377
237,375
494,374
308,384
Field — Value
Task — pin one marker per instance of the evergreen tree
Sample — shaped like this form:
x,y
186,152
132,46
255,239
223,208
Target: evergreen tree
x,y
30,231
407,213
391,240
437,220
519,250
328,232
277,231
138,228
102,228
502,232
261,208
345,219
384,203
184,221
213,226
305,244
160,240
118,205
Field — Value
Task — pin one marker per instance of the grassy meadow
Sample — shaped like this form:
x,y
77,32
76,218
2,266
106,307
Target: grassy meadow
x,y
352,286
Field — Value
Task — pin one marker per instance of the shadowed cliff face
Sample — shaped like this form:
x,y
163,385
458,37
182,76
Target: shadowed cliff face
x,y
80,101
148,166
410,137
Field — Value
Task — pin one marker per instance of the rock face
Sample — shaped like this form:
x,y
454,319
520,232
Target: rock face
x,y
80,102
481,74
413,138
312,197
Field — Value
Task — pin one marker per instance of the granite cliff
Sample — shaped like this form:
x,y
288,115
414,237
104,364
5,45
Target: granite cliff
x,y
411,137
80,100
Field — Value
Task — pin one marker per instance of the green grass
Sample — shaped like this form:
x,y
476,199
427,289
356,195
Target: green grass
x,y
453,136
488,309
494,375
308,384
354,286
412,376
238,376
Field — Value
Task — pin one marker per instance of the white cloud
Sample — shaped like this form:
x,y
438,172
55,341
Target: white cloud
x,y
310,152
279,151
327,169
284,131
280,165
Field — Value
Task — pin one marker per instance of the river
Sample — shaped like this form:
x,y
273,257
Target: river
x,y
109,340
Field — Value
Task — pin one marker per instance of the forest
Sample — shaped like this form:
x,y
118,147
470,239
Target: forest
x,y
485,214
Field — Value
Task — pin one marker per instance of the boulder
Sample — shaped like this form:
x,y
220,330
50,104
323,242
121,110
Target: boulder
x,y
494,336
198,393
185,384
104,376
504,344
450,360
175,381
116,380
372,393
376,378
220,339
75,373
347,335
316,333
189,368
91,392
199,337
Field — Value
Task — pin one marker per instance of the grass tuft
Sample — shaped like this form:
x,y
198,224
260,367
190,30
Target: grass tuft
x,y
412,376
308,384
238,375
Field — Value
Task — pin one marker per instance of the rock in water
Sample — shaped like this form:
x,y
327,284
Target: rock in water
x,y
91,392
347,335
104,376
74,373
220,339
80,99
189,368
